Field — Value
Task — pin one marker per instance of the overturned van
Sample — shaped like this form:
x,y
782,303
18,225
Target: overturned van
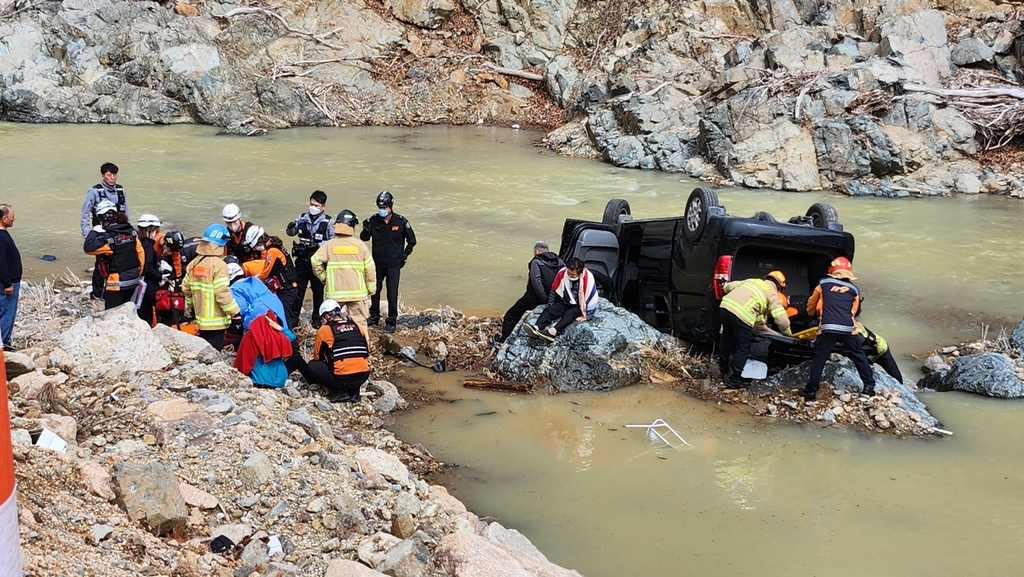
x,y
670,271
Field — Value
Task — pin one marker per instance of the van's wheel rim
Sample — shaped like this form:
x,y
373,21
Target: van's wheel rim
x,y
693,215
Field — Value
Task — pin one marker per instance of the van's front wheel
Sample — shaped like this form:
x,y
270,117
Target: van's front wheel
x,y
696,218
823,215
615,208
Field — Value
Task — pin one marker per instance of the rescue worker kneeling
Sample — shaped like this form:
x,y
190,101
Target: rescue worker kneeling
x,y
746,303
342,356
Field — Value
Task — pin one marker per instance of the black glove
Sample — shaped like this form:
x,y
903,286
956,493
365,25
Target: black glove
x,y
292,230
366,223
404,258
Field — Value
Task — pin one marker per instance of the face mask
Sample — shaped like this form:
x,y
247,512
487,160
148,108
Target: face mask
x,y
383,212
234,226
314,210
260,248
572,279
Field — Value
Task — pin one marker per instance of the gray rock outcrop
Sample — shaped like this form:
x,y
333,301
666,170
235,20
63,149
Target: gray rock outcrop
x,y
92,347
600,354
149,494
989,374
843,377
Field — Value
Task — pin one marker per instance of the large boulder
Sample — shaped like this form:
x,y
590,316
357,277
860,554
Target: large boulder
x,y
469,555
990,374
116,340
919,42
600,354
185,347
1017,338
423,13
18,364
843,376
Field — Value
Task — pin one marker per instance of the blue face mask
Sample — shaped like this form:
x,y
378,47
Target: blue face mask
x,y
383,212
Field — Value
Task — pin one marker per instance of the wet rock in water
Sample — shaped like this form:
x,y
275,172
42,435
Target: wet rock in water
x,y
346,568
407,559
94,345
600,354
934,364
17,364
1017,338
150,495
990,374
469,555
511,539
843,377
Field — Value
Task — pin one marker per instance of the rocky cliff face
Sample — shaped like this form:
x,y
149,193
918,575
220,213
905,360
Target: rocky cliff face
x,y
882,97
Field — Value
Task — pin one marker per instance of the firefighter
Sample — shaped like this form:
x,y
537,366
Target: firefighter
x,y
206,287
313,228
882,355
120,257
393,241
341,364
346,268
238,229
746,303
836,301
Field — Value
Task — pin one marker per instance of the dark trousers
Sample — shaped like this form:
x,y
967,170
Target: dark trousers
x,y
735,341
561,313
823,348
304,272
322,374
288,297
112,299
147,310
215,338
888,364
388,275
515,314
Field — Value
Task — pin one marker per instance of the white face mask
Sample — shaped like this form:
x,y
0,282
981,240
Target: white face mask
x,y
234,225
260,248
315,210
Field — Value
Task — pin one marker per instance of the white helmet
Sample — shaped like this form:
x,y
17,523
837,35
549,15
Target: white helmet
x,y
148,220
329,306
234,271
105,206
231,213
253,236
166,268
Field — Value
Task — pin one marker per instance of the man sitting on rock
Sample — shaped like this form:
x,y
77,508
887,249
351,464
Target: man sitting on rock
x,y
543,268
573,285
342,355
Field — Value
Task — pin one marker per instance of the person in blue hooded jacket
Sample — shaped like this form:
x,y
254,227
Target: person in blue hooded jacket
x,y
252,296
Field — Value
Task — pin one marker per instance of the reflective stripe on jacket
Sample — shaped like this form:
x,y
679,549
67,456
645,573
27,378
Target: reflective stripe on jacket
x,y
207,289
753,300
122,257
346,268
342,345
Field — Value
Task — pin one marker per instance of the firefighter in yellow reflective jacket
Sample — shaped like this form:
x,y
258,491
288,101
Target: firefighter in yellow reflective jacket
x,y
207,287
882,355
345,266
746,303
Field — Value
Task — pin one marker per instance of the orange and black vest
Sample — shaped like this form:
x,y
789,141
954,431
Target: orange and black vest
x,y
349,345
839,302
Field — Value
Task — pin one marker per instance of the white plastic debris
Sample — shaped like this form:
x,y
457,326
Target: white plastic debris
x,y
50,440
653,433
274,546
754,370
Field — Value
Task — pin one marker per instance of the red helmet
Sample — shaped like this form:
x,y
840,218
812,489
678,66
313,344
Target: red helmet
x,y
840,263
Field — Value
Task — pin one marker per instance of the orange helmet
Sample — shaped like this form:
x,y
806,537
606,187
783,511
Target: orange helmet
x,y
778,277
840,263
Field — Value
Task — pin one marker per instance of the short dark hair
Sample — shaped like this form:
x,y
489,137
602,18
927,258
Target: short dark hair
x,y
108,167
319,196
5,209
574,264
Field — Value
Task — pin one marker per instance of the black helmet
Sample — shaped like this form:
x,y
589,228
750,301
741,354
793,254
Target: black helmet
x,y
231,259
347,217
385,199
174,241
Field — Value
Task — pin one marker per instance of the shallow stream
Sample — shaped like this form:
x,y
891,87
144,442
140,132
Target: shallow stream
x,y
751,497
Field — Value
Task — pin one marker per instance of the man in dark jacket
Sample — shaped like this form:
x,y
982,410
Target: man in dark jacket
x,y
313,227
393,241
148,229
10,276
543,268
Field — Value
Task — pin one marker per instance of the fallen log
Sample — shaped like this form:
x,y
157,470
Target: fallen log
x,y
496,385
967,92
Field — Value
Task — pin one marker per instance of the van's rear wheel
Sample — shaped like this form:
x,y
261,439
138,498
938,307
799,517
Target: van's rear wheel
x,y
696,218
823,215
615,208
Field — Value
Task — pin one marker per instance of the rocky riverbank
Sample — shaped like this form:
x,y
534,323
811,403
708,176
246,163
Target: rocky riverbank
x,y
993,367
881,97
176,465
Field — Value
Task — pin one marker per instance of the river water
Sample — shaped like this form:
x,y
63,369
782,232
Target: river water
x,y
751,497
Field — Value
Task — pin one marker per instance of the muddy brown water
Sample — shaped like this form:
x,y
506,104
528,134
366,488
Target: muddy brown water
x,y
751,497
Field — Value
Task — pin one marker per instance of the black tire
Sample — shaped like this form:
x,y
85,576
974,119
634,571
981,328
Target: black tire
x,y
696,216
822,215
763,216
615,208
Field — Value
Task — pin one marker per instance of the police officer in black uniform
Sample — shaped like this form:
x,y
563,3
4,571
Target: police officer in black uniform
x,y
393,241
313,227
